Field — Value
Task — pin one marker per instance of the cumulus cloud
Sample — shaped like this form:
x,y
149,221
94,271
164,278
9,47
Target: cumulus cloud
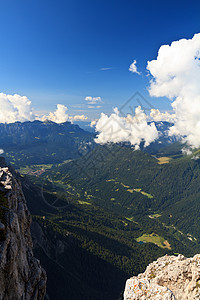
x,y
133,129
79,118
93,123
186,151
59,116
157,116
93,100
15,108
133,68
176,75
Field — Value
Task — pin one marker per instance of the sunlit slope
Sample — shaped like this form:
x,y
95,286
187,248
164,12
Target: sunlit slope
x,y
98,243
132,183
121,206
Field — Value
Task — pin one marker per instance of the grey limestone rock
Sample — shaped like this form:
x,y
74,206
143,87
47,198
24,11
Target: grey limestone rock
x,y
168,278
21,275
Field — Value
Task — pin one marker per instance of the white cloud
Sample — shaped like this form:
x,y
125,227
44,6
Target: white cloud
x,y
105,69
133,68
186,151
59,116
176,75
93,100
117,129
157,116
93,123
79,118
1,151
15,108
19,108
94,106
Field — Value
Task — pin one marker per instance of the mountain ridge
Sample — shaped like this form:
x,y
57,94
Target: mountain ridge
x,y
43,142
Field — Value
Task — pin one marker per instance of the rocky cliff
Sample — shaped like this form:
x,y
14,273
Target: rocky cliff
x,y
168,278
21,275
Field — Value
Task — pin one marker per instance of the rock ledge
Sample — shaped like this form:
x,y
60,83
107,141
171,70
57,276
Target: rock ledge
x,y
168,278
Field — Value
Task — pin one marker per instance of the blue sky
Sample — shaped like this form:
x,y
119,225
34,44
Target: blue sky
x,y
53,51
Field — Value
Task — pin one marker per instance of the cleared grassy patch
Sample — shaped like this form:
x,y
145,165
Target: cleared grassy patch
x,y
131,190
84,202
163,160
155,239
146,194
154,216
126,186
125,224
34,169
140,191
131,220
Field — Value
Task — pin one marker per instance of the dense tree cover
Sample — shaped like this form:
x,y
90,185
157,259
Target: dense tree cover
x,y
133,184
106,200
102,247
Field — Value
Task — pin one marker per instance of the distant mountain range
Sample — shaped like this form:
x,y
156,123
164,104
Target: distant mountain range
x,y
47,142
43,142
85,125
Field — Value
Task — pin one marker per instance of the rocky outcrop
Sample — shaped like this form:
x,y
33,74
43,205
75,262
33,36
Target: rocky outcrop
x,y
21,275
168,278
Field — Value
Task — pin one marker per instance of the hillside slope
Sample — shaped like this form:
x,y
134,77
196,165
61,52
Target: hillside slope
x,y
85,242
137,186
